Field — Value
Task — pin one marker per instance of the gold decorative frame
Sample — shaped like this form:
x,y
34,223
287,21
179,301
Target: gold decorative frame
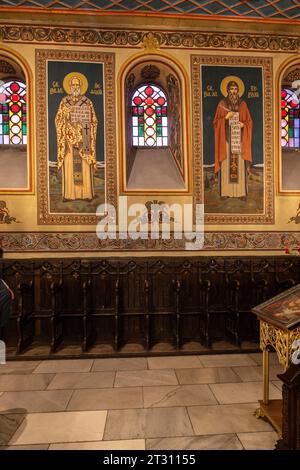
x,y
267,217
108,60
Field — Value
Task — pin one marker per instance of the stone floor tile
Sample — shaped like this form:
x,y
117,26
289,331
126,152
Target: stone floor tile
x,y
277,384
122,363
151,422
184,395
36,401
9,423
43,428
28,447
217,442
243,392
126,444
64,365
19,367
18,382
207,375
222,419
258,440
174,362
145,378
255,373
106,398
258,358
227,360
69,380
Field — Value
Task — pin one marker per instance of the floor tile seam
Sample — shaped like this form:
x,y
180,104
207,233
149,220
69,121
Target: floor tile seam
x,y
243,448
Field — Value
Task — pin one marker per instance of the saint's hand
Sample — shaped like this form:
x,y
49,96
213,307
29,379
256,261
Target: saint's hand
x,y
229,115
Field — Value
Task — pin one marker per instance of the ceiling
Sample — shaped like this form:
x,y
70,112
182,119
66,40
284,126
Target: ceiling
x,y
270,10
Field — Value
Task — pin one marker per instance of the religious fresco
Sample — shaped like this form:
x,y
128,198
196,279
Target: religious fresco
x,y
232,142
75,159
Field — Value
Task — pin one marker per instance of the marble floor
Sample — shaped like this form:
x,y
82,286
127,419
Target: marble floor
x,y
172,402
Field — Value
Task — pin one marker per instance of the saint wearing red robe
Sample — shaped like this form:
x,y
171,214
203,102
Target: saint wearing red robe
x,y
233,137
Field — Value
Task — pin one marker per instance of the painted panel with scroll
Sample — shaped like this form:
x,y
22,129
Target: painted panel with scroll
x,y
233,122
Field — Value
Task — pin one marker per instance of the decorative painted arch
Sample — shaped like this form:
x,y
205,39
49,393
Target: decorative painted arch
x,y
16,127
154,114
288,125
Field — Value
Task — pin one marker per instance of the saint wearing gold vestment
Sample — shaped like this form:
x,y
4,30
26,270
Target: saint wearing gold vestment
x,y
76,129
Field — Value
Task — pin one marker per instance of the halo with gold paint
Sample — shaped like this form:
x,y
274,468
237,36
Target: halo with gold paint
x,y
68,78
232,78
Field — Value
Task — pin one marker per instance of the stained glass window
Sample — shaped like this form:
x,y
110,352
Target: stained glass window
x,y
13,126
149,117
290,118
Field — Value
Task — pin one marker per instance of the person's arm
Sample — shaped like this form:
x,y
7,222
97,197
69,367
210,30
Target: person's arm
x,y
9,290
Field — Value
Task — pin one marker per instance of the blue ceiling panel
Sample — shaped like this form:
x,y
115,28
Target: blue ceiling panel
x,y
256,9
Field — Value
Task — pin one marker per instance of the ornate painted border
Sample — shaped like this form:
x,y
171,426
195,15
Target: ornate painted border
x,y
108,59
266,63
133,38
67,242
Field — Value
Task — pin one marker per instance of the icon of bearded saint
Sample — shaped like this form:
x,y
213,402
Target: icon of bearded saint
x,y
233,138
76,128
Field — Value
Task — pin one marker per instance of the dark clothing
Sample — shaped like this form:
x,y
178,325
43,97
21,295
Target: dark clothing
x,y
6,304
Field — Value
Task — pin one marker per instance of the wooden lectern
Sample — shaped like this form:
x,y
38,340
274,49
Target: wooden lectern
x,y
279,327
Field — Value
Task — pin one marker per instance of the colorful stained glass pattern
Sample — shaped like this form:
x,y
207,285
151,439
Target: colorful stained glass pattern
x,y
13,126
149,117
290,119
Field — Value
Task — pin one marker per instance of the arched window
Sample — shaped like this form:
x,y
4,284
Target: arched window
x,y
290,118
149,117
13,126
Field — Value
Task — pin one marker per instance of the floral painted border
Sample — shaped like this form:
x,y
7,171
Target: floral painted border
x,y
134,38
67,242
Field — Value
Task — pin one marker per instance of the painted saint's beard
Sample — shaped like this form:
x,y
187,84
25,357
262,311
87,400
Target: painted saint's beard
x,y
233,99
75,93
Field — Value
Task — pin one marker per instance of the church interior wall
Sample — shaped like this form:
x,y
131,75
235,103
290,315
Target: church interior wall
x,y
25,237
